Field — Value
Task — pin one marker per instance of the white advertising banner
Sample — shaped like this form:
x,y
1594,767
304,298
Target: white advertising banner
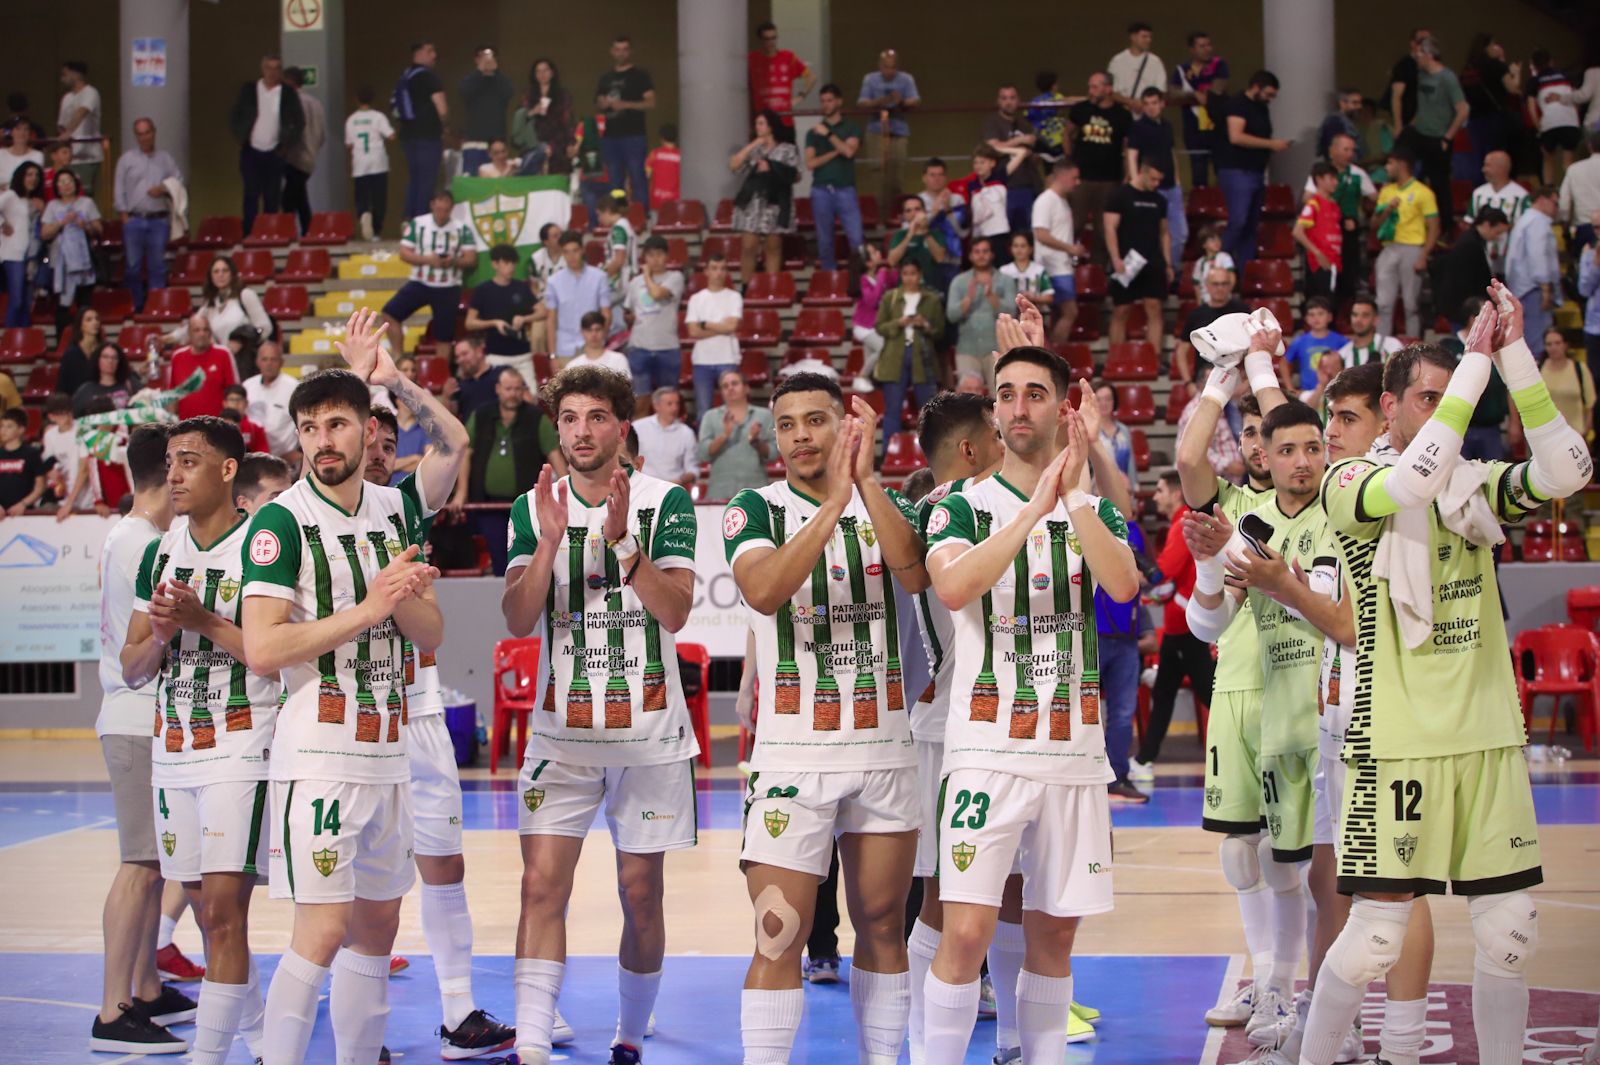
x,y
49,589
718,618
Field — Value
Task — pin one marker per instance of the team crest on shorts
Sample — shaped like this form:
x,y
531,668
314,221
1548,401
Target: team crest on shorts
x,y
324,860
1405,847
1213,797
1274,825
533,798
169,843
962,854
776,821
229,588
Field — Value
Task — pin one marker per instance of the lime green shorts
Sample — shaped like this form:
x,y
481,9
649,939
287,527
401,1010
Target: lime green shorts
x,y
1417,824
1290,800
1233,773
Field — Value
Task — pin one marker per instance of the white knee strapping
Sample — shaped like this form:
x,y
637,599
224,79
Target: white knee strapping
x,y
1241,865
1370,943
1282,877
1507,930
771,903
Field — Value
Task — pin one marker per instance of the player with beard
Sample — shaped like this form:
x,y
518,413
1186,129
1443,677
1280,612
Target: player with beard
x,y
333,592
214,721
604,557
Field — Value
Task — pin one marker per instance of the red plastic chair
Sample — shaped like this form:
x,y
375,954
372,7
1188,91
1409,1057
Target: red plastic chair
x,y
166,305
220,233
722,220
432,372
828,288
804,216
1275,240
189,268
1141,449
753,365
516,686
578,220
275,230
854,360
1559,660
22,345
594,252
1080,359
133,338
1583,606
1279,307
308,265
727,245
770,290
677,254
41,382
760,328
696,654
286,303
680,216
818,325
1182,392
112,304
1135,405
330,227
903,455
544,367
795,252
110,236
1207,204
1134,361
1091,282
1267,277
254,265
1278,202
1086,328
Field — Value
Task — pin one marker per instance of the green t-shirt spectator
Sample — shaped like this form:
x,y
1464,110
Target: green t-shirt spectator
x,y
917,251
1437,96
500,475
838,171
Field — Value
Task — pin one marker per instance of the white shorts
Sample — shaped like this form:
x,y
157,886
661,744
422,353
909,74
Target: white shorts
x,y
792,819
215,828
435,786
649,808
1063,832
930,766
1328,783
337,842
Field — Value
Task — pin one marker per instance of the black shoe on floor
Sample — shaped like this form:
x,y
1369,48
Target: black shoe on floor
x,y
133,1033
383,1056
475,1036
1124,791
625,1055
170,1007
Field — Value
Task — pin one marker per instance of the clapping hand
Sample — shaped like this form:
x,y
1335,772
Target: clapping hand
x,y
1484,332
616,523
363,349
178,607
1509,310
550,505
865,421
403,578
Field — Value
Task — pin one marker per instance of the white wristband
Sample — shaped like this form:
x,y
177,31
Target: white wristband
x,y
1258,371
1079,498
1220,384
1518,367
626,547
1208,575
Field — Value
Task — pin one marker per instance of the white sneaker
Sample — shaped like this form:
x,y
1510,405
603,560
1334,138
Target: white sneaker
x,y
650,1025
1267,1056
1277,1033
1354,1047
1270,1008
561,1033
366,225
1235,1011
1139,772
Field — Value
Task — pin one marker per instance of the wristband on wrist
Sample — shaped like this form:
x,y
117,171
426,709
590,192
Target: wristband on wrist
x,y
1079,498
1258,371
1209,574
626,547
1220,384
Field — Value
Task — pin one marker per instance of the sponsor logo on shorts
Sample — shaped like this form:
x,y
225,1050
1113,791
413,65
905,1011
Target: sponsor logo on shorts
x,y
533,798
1517,843
1405,848
1275,825
651,815
264,548
776,821
962,854
1097,867
325,859
169,843
1213,797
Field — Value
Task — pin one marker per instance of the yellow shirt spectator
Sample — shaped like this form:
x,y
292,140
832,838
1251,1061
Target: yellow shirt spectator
x,y
1417,205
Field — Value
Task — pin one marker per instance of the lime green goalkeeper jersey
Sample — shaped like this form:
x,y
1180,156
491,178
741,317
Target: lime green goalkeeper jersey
x,y
1291,647
1239,649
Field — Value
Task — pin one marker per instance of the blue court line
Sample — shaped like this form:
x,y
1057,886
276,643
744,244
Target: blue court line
x,y
697,1014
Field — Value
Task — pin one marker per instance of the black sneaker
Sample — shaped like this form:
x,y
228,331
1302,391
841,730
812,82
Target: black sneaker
x,y
383,1056
170,1007
1124,791
475,1036
133,1033
622,1054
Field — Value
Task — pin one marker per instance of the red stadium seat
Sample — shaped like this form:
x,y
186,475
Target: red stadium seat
x,y
722,220
1182,392
432,372
803,216
1275,240
1091,282
755,367
594,252
110,236
22,345
760,328
1267,277
1207,204
697,281
1086,327
578,220
770,290
677,254
795,252
166,305
1583,606
818,325
189,268
1559,660
680,216
1279,202
1137,326
516,685
113,305
41,382
330,227
544,367
1080,359
1460,197
133,338
727,245
828,288
869,212
696,654
286,303
1280,310
1141,449
309,265
254,265
854,360
272,231
1135,405
1133,361
222,232
903,455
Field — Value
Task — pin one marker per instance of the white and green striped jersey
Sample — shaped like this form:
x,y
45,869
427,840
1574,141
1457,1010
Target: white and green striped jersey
x,y
1239,648
1032,282
621,235
1513,199
213,716
837,634
932,708
1030,639
344,716
1291,647
612,696
425,692
427,237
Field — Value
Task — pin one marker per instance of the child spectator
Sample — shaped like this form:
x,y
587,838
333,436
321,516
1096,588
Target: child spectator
x,y
364,133
21,466
1329,366
985,192
1211,255
662,166
66,460
1030,277
594,351
1299,368
237,400
622,251
1320,232
877,279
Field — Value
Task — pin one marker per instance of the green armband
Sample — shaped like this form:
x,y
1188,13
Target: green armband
x,y
1534,405
1454,412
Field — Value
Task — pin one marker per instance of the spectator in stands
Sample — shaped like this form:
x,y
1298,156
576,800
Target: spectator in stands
x,y
1047,112
831,147
511,441
1009,132
1320,232
912,242
573,292
1366,344
1193,86
1329,366
1212,255
595,352
1533,268
502,308
267,121
19,151
1136,221
911,320
87,333
1402,99
1298,370
971,382
476,382
66,459
1550,107
499,163
1463,270
411,441
1099,138
1117,438
623,94
737,439
891,93
1355,195
366,132
1500,191
420,107
203,353
300,157
664,168
1030,278
1441,111
1126,634
1408,226
1216,300
140,196
1580,192
69,223
1150,138
17,210
977,299
1491,84
763,208
439,249
526,154
946,207
550,106
9,396
1589,292
1570,383
267,401
986,193
651,304
877,279
113,379
1136,68
773,73
21,466
485,95
621,251
235,406
666,444
546,258
1057,244
713,319
78,121
1346,113
227,303
1242,154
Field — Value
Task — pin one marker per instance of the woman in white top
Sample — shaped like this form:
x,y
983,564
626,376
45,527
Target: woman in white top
x,y
1030,277
20,200
227,304
19,151
500,163
71,223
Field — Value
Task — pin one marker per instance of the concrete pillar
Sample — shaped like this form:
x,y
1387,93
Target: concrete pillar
x,y
319,50
713,98
803,29
1298,41
154,80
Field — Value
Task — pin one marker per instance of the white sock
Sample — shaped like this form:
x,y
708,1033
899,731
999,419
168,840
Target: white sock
x,y
636,993
1404,1030
1288,937
1499,1016
1005,962
1302,1010
1042,1007
447,926
169,925
920,949
768,1021
950,1013
253,1017
1333,1009
292,1005
216,1021
538,985
1255,911
358,1006
1311,915
882,1005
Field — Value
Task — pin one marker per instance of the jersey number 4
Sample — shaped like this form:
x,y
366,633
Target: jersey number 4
x,y
977,802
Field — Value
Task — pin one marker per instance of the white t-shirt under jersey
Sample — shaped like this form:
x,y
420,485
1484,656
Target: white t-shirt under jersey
x,y
124,711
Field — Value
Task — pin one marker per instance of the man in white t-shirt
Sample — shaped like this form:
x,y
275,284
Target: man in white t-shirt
x,y
267,394
1498,190
1136,67
365,132
669,448
713,318
1057,244
79,119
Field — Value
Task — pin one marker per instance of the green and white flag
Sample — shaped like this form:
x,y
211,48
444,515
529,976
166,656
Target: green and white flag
x,y
509,211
